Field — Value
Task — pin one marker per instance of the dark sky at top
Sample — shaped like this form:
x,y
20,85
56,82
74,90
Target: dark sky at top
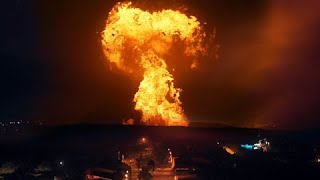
x,y
52,67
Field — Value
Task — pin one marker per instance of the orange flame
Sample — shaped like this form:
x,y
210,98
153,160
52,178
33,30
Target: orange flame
x,y
136,41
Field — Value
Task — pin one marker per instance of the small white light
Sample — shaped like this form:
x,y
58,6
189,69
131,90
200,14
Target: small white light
x,y
143,140
61,162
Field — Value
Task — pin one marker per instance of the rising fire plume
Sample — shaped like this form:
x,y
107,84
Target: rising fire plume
x,y
137,41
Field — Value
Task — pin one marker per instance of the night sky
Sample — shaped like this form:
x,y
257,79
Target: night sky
x,y
52,67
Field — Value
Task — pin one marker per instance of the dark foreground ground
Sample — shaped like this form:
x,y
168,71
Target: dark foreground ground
x,y
199,152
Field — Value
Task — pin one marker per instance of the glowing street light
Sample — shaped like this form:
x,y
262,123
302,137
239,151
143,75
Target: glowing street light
x,y
61,163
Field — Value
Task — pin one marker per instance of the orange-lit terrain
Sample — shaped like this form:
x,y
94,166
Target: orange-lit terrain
x,y
137,41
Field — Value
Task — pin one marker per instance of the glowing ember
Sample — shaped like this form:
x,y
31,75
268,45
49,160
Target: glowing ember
x,y
136,41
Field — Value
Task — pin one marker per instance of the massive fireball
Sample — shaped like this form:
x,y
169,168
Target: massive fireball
x,y
137,41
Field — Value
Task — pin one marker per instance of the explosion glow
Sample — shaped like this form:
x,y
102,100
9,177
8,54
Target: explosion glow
x,y
136,41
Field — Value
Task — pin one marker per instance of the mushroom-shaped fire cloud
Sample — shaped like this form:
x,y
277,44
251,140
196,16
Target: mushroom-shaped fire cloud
x,y
138,41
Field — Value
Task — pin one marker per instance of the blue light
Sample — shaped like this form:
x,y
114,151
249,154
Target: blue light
x,y
247,146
